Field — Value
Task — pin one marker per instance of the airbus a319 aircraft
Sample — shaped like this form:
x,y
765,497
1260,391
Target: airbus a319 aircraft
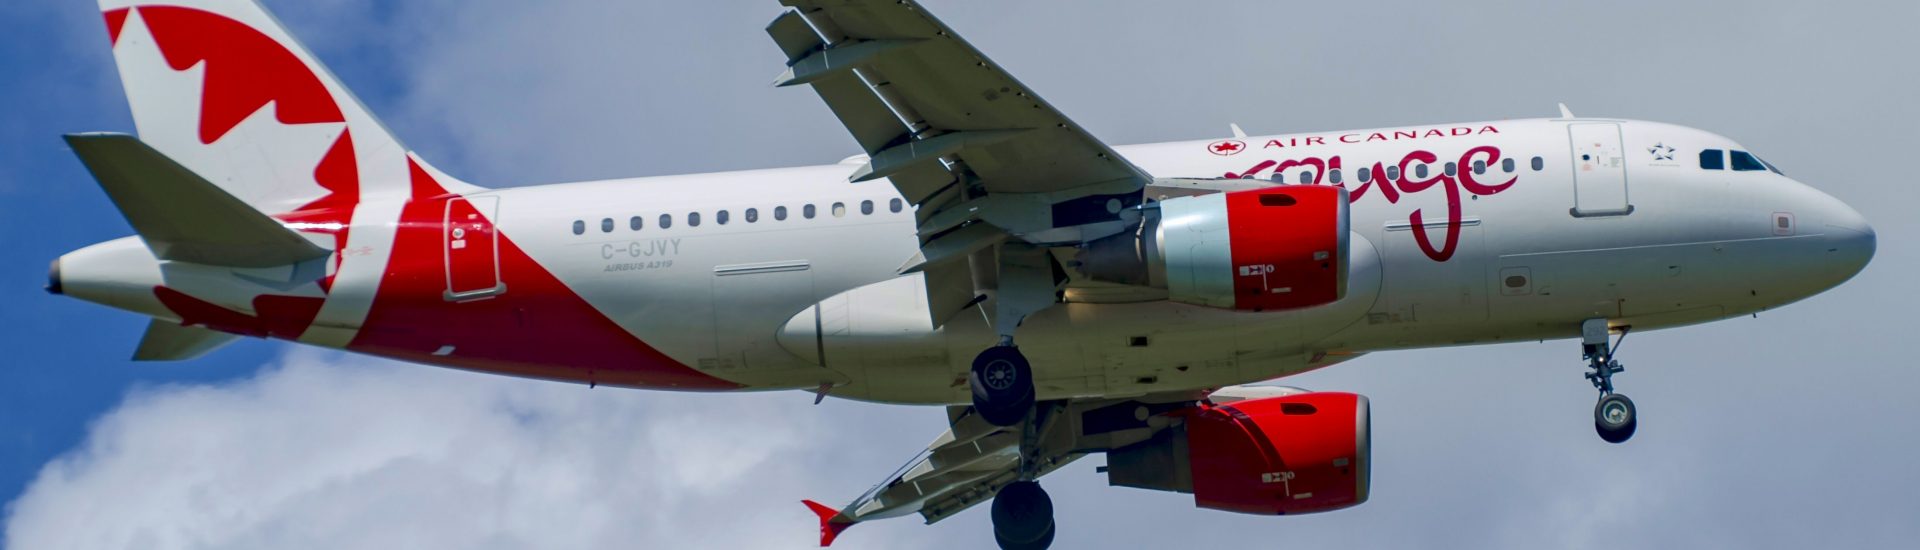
x,y
1060,297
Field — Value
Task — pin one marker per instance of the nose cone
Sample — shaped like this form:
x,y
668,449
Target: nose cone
x,y
53,278
1850,241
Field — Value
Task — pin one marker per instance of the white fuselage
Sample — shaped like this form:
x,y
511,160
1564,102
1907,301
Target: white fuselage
x,y
798,288
1698,245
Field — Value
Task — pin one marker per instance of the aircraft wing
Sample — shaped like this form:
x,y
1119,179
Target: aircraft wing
x,y
969,463
984,158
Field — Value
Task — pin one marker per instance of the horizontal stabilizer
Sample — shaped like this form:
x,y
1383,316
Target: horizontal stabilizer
x,y
181,215
170,341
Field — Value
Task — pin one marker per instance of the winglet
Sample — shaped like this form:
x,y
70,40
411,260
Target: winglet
x,y
1565,112
831,523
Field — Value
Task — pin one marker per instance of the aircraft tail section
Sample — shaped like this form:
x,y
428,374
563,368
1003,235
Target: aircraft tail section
x,y
223,89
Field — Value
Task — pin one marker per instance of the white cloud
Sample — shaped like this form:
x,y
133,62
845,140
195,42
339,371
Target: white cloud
x,y
331,451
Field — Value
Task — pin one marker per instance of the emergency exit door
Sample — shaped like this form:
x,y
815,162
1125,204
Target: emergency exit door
x,y
1599,170
472,249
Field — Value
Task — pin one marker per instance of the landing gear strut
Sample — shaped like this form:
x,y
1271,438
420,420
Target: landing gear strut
x,y
1022,512
1613,416
1004,395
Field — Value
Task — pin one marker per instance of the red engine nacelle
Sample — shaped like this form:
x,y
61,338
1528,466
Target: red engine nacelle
x,y
1261,249
1292,454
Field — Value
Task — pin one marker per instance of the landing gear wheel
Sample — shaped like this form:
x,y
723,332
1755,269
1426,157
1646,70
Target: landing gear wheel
x,y
1614,418
1023,516
1002,384
1045,541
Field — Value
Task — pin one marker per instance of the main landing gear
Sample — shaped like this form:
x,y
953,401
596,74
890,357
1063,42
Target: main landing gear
x,y
1002,382
1004,395
1022,512
1613,416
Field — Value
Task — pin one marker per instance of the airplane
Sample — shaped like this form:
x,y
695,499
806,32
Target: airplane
x,y
1058,296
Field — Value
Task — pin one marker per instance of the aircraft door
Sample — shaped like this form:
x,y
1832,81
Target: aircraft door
x,y
1599,170
472,249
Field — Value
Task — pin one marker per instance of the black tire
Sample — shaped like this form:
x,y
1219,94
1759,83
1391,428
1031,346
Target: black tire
x,y
1045,541
1615,418
1002,383
1022,514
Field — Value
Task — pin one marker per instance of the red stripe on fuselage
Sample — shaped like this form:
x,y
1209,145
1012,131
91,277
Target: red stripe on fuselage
x,y
284,317
537,328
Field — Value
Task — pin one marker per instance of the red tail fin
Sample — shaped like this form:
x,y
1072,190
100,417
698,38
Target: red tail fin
x,y
828,527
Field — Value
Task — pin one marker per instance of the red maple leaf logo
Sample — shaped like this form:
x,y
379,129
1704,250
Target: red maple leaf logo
x,y
1226,147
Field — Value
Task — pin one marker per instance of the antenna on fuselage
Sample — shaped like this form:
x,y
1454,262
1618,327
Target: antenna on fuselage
x,y
1565,112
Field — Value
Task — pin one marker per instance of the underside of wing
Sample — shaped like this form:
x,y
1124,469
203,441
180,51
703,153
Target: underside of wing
x,y
983,158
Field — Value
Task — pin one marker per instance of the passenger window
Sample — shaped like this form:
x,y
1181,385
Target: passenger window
x,y
1453,169
1334,176
1479,167
633,223
1713,159
1539,164
579,227
693,219
779,213
866,208
1506,165
839,210
1306,177
753,215
1366,175
1745,162
896,205
666,221
1420,171
720,217
807,212
606,225
1393,173
1277,177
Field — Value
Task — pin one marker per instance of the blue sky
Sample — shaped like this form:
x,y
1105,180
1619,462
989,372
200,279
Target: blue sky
x,y
66,360
1791,429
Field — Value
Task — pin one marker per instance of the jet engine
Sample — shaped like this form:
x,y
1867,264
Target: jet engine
x,y
1275,248
1290,454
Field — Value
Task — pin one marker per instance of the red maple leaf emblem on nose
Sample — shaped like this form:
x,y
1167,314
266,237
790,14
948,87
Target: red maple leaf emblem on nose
x,y
1227,146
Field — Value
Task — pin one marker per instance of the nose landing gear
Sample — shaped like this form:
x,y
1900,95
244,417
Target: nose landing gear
x,y
1613,416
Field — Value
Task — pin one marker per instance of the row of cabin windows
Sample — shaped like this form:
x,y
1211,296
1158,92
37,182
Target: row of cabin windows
x,y
1419,171
751,215
1715,159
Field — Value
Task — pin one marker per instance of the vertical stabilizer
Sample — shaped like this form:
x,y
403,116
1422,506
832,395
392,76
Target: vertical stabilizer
x,y
222,88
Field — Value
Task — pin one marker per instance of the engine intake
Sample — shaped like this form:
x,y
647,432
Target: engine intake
x,y
1291,454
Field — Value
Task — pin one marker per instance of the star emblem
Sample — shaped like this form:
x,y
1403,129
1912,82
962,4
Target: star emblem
x,y
1661,151
1226,147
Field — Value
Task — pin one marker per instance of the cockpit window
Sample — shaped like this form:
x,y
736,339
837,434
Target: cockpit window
x,y
1770,166
1746,162
1713,159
